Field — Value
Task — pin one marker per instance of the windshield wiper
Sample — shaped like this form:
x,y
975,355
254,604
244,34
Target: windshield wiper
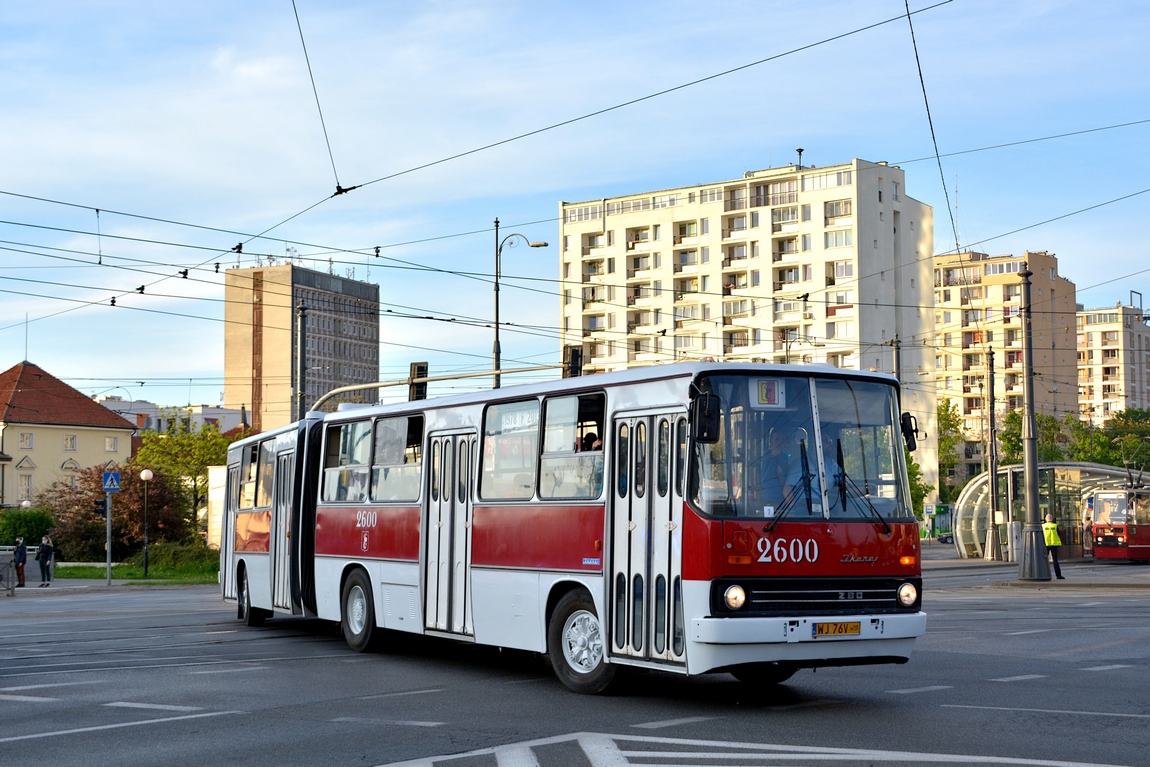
x,y
789,503
846,484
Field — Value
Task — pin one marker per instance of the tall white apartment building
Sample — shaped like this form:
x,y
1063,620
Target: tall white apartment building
x,y
787,265
1113,361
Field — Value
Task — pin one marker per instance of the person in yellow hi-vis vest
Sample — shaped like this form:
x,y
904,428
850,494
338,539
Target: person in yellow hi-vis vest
x,y
1050,533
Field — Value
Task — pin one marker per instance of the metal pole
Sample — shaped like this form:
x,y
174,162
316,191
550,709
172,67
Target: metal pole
x,y
108,543
301,361
146,528
495,349
897,358
1033,565
993,551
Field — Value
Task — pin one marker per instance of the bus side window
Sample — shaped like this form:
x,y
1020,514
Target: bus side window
x,y
622,459
249,470
572,463
266,474
510,448
681,456
397,460
347,457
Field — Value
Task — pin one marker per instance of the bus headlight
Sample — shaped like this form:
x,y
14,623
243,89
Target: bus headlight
x,y
735,597
907,594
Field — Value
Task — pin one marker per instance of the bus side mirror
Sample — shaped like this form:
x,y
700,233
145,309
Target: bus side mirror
x,y
705,419
909,427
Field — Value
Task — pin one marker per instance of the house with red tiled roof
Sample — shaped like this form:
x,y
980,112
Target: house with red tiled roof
x,y
50,431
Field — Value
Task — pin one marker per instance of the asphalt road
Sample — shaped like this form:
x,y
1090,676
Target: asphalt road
x,y
158,676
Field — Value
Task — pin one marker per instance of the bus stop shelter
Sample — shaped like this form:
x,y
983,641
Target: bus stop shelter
x,y
1065,489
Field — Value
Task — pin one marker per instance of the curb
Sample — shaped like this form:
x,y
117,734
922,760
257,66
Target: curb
x,y
1053,584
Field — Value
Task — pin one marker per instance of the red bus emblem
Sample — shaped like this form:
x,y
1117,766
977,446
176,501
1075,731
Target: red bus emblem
x,y
363,541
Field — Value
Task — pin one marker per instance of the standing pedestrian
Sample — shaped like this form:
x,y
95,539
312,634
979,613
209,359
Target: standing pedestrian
x,y
44,557
1050,533
20,558
1087,536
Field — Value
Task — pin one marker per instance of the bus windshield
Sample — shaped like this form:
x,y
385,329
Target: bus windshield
x,y
1110,509
807,448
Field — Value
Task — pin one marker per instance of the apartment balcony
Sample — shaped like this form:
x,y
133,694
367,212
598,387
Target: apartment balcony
x,y
837,220
784,227
785,257
590,302
639,274
1106,379
841,310
782,198
643,299
685,295
731,262
638,245
966,388
786,287
1017,387
688,268
740,232
644,356
736,204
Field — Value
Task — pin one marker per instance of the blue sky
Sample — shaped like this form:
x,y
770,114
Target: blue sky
x,y
203,113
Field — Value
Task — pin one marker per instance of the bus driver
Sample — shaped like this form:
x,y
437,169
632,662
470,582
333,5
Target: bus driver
x,y
779,474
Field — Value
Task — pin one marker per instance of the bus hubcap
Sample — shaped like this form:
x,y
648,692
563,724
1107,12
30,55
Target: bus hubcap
x,y
582,642
356,610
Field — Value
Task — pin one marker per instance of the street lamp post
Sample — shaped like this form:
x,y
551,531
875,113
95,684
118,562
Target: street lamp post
x,y
498,253
146,475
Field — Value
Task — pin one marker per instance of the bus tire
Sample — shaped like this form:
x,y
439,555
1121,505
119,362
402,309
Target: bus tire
x,y
358,614
576,647
251,616
764,674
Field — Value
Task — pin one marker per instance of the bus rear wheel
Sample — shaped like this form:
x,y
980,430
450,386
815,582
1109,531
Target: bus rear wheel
x,y
358,621
251,616
575,645
764,674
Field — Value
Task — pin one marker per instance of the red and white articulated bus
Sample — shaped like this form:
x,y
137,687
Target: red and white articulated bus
x,y
1122,524
692,518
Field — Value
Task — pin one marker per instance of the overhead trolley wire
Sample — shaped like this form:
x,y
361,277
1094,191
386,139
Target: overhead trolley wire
x,y
314,90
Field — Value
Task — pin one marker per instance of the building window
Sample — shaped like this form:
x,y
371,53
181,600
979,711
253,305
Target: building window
x,y
111,444
806,213
69,442
808,272
844,269
705,224
26,440
806,239
840,239
24,487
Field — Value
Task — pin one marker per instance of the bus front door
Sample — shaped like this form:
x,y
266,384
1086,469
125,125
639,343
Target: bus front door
x,y
228,533
447,554
646,603
281,531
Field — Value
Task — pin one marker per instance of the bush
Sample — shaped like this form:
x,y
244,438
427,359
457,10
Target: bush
x,y
30,524
189,558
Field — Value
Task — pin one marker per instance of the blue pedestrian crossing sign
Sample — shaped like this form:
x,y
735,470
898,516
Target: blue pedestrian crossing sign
x,y
111,481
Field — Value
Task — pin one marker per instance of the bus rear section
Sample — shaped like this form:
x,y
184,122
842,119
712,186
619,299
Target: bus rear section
x,y
801,549
1121,528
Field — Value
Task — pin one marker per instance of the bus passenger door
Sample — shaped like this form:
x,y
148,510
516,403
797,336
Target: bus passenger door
x,y
281,531
646,539
447,570
228,533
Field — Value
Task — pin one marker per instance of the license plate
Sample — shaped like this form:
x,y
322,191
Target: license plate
x,y
845,628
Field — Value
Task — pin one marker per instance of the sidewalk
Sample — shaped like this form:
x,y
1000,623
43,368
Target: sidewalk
x,y
1080,573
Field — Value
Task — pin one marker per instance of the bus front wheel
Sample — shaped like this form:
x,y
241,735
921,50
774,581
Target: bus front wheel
x,y
251,616
575,645
358,622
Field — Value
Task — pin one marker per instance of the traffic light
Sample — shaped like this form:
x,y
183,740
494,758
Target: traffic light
x,y
417,390
100,507
572,361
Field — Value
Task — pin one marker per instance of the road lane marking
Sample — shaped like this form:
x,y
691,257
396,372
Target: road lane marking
x,y
53,684
931,688
1111,667
515,756
27,698
608,750
1090,604
1052,711
77,730
156,706
672,722
397,694
532,679
231,670
1032,631
401,722
1019,678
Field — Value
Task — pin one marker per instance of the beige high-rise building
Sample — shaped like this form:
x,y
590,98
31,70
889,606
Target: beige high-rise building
x,y
260,338
1113,361
978,300
787,265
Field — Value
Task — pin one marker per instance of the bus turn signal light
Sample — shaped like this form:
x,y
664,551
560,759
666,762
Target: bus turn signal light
x,y
906,560
737,560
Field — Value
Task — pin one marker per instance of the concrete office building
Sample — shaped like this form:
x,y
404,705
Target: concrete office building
x,y
793,264
978,301
260,338
1113,361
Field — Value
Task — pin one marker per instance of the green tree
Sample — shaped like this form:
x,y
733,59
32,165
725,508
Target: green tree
x,y
919,490
185,455
1050,438
29,524
950,444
